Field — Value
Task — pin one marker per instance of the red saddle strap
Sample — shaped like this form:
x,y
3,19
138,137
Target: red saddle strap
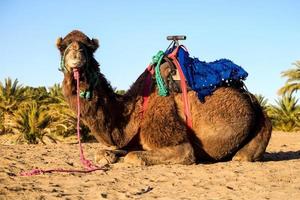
x,y
147,88
187,112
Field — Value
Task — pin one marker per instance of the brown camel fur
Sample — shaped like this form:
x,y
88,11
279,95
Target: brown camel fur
x,y
229,125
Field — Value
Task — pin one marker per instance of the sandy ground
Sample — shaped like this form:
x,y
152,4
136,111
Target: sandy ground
x,y
277,177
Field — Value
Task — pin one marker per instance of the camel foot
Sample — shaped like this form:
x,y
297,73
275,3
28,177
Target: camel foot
x,y
179,154
104,157
135,158
242,158
249,154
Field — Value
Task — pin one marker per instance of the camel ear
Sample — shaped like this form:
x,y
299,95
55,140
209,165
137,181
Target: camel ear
x,y
94,44
59,43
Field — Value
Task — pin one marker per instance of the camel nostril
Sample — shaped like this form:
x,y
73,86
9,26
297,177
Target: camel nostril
x,y
75,56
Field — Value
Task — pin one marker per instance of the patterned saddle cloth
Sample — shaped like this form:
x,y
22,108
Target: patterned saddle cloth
x,y
204,77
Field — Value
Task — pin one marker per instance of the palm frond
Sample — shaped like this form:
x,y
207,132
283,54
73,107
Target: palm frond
x,y
293,80
285,114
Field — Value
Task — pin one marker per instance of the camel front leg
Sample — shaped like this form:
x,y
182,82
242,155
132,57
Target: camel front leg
x,y
179,154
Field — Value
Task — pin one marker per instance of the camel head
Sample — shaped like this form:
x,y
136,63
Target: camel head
x,y
76,50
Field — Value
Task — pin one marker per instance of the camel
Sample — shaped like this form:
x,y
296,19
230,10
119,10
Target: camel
x,y
229,125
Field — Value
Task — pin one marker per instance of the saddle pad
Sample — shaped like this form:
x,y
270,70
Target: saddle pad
x,y
205,77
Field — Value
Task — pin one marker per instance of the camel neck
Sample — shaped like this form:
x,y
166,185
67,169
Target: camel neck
x,y
102,113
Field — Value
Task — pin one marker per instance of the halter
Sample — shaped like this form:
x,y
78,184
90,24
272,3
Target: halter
x,y
62,61
92,77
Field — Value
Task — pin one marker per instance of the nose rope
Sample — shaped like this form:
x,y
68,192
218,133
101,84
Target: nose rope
x,y
87,164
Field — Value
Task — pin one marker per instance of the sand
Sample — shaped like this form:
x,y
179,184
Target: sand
x,y
276,177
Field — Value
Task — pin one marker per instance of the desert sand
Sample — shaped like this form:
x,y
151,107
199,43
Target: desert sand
x,y
276,177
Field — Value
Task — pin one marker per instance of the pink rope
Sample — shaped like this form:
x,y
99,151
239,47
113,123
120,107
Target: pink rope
x,y
87,164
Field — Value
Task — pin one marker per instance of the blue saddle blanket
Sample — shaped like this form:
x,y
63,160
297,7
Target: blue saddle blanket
x,y
205,77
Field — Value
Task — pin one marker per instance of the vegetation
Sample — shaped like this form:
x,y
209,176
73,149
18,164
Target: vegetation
x,y
31,122
285,114
33,114
293,80
11,95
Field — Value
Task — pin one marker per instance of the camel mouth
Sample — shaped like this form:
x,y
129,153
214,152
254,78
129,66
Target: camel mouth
x,y
75,65
71,66
75,59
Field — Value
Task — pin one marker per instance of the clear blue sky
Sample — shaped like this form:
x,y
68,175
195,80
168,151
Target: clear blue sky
x,y
261,36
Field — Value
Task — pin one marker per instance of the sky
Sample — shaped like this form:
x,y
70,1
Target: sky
x,y
261,36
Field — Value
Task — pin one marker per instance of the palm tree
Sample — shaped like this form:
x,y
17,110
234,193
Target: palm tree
x,y
55,90
293,81
38,94
64,119
11,95
31,122
55,93
33,113
285,114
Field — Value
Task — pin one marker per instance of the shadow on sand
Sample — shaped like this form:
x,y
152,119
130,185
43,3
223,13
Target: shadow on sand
x,y
281,156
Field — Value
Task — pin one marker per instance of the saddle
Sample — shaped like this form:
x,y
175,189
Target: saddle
x,y
187,73
203,77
